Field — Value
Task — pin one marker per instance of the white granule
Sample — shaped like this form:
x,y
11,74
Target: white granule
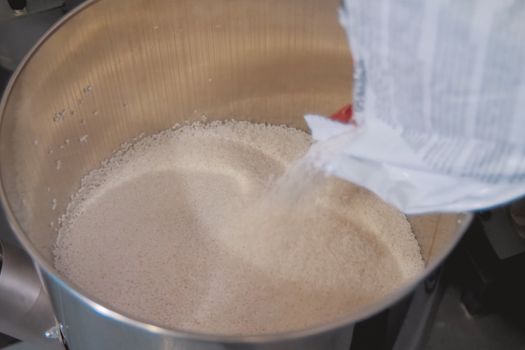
x,y
186,229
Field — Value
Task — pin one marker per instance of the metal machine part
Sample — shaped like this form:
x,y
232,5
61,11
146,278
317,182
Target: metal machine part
x,y
16,8
492,260
114,69
22,22
26,310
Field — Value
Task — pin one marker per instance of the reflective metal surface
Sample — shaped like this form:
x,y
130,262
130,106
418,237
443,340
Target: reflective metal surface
x,y
117,68
26,312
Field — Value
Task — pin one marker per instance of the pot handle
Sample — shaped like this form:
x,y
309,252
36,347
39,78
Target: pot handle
x,y
25,309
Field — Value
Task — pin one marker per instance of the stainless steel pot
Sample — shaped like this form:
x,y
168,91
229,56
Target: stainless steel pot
x,y
114,69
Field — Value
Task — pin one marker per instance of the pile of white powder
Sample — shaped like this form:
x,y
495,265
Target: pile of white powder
x,y
190,229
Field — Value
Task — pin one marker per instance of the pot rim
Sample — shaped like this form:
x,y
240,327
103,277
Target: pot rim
x,y
103,309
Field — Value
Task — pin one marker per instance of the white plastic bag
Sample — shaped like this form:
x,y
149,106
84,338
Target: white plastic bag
x,y
439,101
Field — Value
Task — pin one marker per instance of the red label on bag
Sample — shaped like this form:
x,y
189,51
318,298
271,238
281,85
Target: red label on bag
x,y
344,115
